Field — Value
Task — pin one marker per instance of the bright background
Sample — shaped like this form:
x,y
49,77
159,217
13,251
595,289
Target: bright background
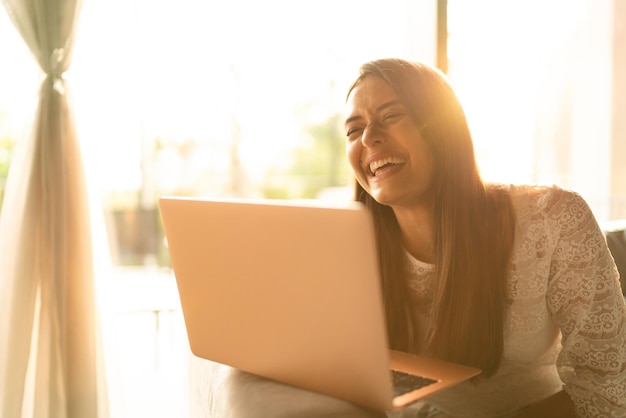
x,y
242,98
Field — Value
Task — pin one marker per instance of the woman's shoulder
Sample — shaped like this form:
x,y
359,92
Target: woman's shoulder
x,y
543,199
549,208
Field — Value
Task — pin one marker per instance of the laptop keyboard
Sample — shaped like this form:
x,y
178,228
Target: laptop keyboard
x,y
405,382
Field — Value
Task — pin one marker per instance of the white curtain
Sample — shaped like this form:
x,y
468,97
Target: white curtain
x,y
50,357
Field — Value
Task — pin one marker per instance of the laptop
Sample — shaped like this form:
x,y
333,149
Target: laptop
x,y
290,290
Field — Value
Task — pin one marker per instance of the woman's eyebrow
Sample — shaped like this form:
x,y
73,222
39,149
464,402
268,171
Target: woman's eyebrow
x,y
388,104
378,109
352,119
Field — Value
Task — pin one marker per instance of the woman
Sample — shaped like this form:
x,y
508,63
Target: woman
x,y
516,280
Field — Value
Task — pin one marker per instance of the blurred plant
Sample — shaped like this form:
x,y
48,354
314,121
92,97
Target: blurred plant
x,y
317,165
6,151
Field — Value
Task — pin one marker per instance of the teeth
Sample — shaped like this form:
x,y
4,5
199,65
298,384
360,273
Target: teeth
x,y
375,165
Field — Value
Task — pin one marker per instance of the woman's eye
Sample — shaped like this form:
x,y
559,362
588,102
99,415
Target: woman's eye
x,y
351,132
392,116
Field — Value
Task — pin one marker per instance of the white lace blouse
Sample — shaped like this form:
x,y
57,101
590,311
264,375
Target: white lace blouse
x,y
565,326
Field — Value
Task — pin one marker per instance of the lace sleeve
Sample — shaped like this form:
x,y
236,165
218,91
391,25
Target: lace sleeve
x,y
586,302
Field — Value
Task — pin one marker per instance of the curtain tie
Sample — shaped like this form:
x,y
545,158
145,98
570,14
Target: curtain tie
x,y
56,70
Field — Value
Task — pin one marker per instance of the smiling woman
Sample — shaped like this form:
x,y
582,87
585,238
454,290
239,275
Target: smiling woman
x,y
459,282
385,146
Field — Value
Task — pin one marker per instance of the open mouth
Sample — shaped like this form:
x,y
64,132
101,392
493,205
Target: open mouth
x,y
380,165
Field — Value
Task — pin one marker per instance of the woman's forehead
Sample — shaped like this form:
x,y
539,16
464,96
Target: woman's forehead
x,y
370,91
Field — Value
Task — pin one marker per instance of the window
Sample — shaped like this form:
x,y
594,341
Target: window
x,y
18,93
540,81
232,98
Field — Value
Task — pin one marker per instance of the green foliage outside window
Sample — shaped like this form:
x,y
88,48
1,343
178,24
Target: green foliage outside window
x,y
317,166
6,150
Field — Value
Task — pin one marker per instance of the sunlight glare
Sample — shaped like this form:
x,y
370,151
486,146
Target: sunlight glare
x,y
497,65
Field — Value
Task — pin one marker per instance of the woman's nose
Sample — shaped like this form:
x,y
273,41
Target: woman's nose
x,y
372,135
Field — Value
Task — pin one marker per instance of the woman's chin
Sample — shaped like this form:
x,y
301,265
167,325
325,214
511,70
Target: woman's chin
x,y
382,197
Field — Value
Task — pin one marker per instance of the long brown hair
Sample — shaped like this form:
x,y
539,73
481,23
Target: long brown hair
x,y
473,230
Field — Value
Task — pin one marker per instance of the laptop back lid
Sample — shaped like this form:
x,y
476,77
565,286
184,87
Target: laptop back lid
x,y
286,290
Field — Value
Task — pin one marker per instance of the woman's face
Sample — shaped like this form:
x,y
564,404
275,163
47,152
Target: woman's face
x,y
386,151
